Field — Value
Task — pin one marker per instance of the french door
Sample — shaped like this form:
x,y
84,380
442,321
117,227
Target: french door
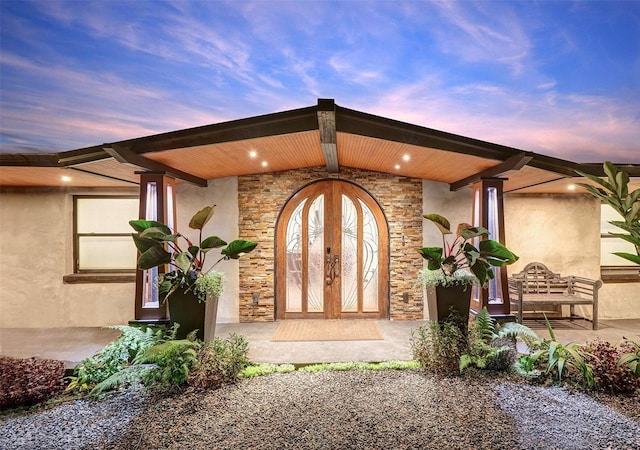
x,y
332,254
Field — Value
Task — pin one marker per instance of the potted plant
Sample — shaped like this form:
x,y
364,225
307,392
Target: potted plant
x,y
187,285
455,267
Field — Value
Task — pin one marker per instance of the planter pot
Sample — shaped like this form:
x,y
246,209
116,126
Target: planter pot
x,y
441,301
185,309
211,314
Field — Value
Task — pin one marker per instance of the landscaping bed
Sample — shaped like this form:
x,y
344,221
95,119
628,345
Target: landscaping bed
x,y
338,409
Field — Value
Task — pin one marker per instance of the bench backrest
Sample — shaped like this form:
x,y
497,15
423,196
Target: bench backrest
x,y
538,279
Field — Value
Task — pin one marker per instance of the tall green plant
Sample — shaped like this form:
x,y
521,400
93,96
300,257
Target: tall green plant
x,y
460,254
614,191
159,245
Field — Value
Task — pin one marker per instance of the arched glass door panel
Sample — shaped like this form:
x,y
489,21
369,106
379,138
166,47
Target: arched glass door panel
x,y
332,254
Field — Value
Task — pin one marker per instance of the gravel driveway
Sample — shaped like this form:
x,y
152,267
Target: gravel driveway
x,y
405,409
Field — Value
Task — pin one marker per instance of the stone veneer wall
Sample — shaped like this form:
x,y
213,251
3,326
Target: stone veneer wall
x,y
262,196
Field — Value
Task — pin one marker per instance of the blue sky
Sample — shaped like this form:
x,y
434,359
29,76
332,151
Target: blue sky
x,y
557,78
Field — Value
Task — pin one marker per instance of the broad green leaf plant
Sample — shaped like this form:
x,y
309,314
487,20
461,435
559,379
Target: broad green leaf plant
x,y
614,191
459,256
158,245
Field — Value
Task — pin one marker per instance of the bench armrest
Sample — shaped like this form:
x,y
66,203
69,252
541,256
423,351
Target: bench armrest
x,y
596,284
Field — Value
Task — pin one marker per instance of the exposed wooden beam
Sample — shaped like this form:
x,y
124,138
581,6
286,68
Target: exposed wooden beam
x,y
363,124
513,163
327,127
101,175
126,156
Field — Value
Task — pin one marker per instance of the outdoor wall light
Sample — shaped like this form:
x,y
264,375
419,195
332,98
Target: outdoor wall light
x,y
256,298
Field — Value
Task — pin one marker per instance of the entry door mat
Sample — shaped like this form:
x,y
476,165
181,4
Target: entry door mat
x,y
326,330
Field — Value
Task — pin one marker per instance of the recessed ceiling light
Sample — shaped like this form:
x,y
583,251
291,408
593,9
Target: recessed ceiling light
x,y
265,164
65,178
406,157
571,187
253,153
397,166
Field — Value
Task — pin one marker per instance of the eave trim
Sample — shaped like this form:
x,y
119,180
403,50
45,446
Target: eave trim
x,y
514,163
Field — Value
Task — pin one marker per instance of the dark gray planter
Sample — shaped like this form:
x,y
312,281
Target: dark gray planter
x,y
185,309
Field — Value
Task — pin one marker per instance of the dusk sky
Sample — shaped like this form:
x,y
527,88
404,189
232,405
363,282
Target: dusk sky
x,y
556,78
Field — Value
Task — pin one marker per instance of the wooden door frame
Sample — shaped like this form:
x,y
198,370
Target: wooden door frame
x,y
280,265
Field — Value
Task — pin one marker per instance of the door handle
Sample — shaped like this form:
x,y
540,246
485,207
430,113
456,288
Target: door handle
x,y
336,266
327,265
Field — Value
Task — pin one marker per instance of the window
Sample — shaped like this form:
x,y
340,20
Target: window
x,y
102,235
614,268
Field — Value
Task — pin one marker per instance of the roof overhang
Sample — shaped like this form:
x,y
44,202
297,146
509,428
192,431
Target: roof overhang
x,y
323,135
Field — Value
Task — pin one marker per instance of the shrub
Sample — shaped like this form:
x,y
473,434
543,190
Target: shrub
x,y
220,361
438,346
610,376
25,382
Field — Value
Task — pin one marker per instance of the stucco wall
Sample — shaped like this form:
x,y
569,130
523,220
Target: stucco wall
x,y
36,251
224,194
563,232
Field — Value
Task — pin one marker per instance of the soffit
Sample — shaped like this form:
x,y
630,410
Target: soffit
x,y
562,186
284,152
11,176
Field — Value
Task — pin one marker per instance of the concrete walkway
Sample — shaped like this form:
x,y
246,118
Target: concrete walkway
x,y
72,345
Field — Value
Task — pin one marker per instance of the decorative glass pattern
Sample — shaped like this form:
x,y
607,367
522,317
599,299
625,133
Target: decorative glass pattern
x,y
370,252
294,260
349,260
316,252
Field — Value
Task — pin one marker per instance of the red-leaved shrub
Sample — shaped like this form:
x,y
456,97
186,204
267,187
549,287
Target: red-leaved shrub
x,y
25,382
608,376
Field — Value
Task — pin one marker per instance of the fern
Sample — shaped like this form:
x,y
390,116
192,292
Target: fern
x,y
486,325
516,330
116,355
491,345
125,377
173,360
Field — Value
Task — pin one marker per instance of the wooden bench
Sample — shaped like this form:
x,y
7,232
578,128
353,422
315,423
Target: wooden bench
x,y
537,287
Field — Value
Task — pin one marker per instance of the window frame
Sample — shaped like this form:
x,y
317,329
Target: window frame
x,y
85,274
